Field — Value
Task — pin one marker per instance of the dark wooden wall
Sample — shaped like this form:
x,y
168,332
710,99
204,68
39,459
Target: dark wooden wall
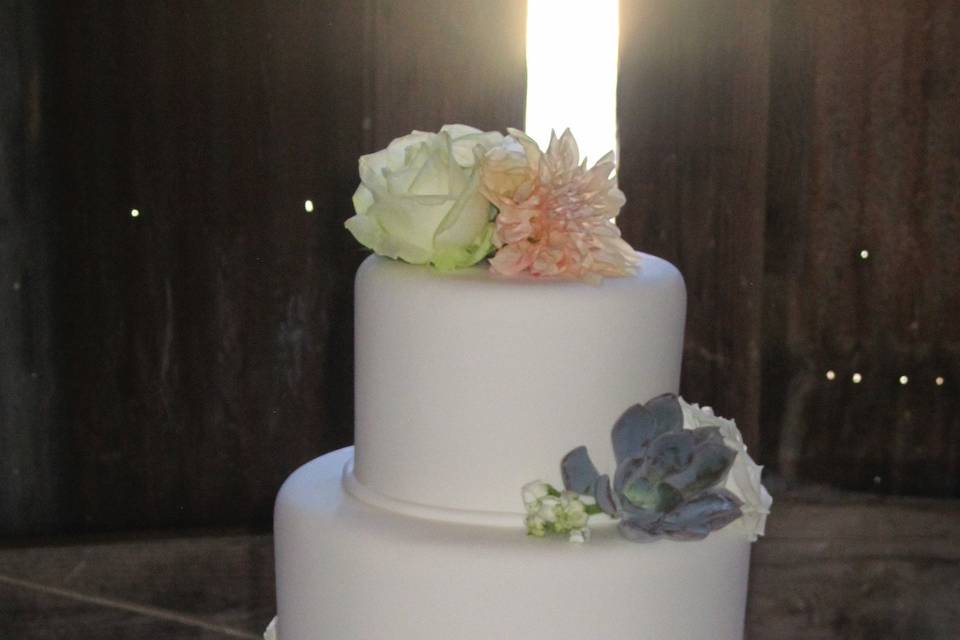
x,y
764,146
692,104
171,369
864,155
29,388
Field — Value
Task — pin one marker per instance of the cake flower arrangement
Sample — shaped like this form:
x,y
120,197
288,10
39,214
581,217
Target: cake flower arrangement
x,y
460,196
682,472
454,199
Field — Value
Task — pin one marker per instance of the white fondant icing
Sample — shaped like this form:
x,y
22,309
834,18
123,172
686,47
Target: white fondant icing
x,y
469,385
365,494
349,571
458,516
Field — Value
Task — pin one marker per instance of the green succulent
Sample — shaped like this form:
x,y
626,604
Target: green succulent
x,y
668,480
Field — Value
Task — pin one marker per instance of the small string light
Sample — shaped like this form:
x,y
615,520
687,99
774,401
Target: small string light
x,y
864,254
904,379
134,213
308,206
831,374
857,378
938,381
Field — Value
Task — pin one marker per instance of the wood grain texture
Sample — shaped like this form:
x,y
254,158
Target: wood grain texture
x,y
203,340
864,155
692,118
172,369
218,580
29,372
27,614
857,569
436,62
204,348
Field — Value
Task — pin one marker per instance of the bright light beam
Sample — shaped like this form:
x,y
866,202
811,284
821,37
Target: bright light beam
x,y
572,50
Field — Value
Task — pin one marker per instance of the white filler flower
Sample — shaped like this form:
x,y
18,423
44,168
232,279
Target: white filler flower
x,y
553,511
744,477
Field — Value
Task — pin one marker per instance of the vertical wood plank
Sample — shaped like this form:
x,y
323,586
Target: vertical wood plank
x,y
206,344
864,157
29,451
692,116
208,337
443,61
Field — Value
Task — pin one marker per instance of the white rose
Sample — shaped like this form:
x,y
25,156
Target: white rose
x,y
744,477
419,198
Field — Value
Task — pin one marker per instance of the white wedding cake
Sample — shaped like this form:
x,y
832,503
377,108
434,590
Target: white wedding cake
x,y
523,468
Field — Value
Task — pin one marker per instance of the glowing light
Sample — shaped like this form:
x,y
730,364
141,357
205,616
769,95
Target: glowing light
x,y
831,375
572,72
904,379
938,381
308,206
864,254
16,287
857,378
134,213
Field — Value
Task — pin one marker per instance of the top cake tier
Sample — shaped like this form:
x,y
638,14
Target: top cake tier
x,y
469,385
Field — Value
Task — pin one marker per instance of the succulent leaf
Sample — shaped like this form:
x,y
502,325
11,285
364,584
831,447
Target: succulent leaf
x,y
666,409
633,431
638,532
641,517
729,496
669,453
625,470
689,534
578,471
707,512
657,497
606,499
706,434
709,466
640,493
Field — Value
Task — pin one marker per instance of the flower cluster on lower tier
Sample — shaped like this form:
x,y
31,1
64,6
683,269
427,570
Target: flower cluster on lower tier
x,y
552,511
682,472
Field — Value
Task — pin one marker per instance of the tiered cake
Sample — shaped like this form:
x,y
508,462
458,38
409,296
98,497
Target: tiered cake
x,y
470,384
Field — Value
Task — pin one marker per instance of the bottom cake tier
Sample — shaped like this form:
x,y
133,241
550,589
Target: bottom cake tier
x,y
348,570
